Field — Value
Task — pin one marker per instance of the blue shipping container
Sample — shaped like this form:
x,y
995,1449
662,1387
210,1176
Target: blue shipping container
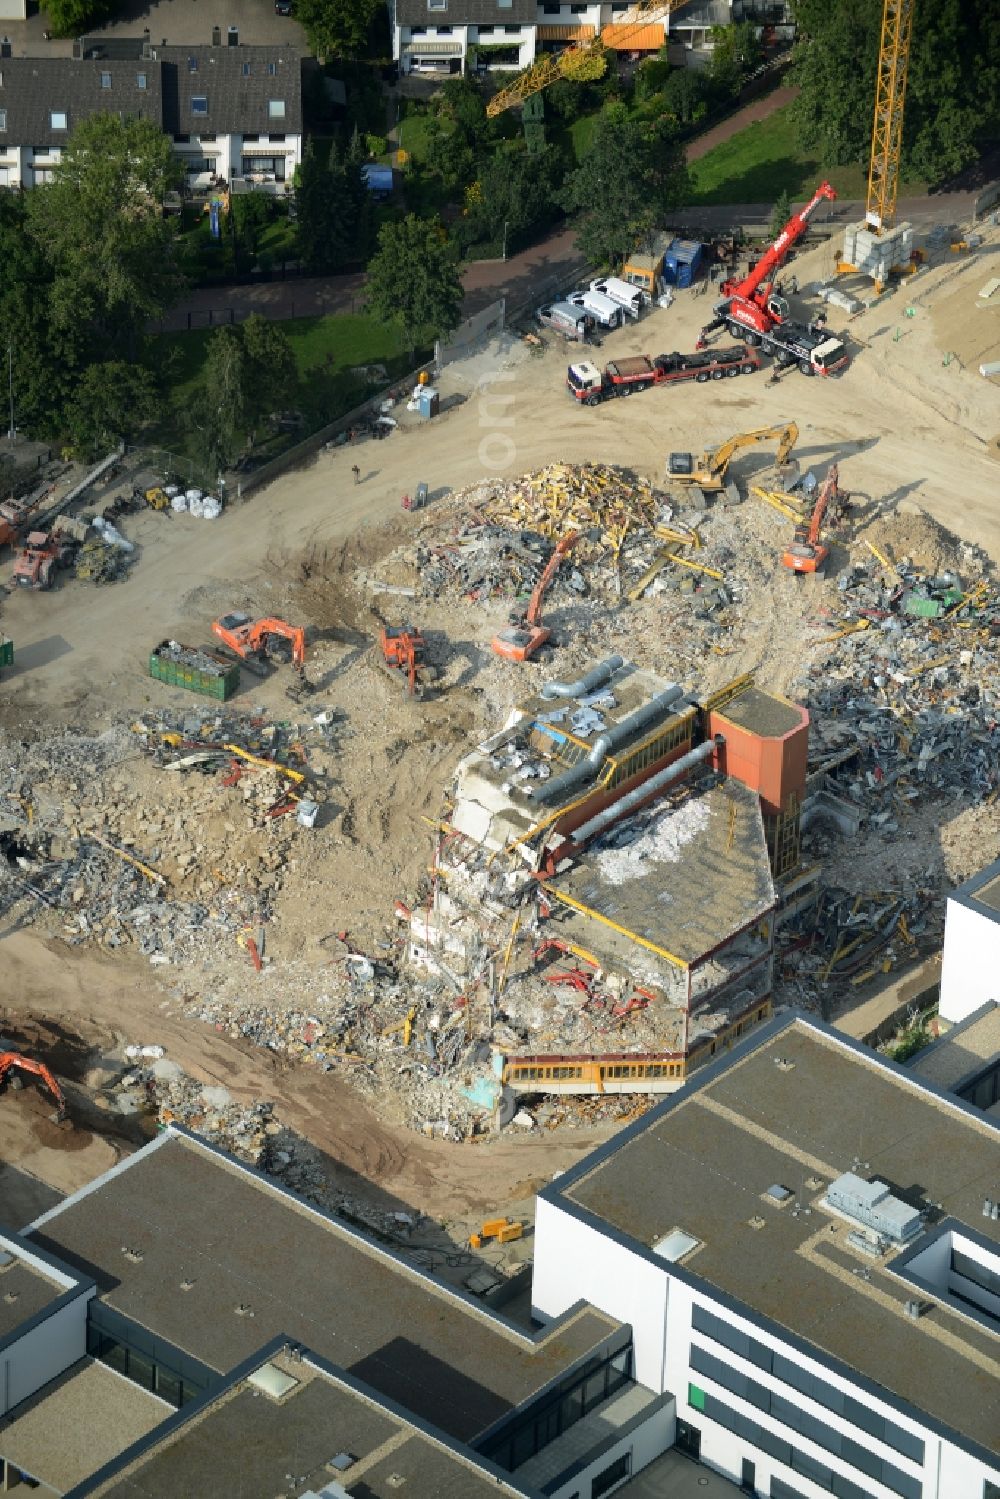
x,y
681,261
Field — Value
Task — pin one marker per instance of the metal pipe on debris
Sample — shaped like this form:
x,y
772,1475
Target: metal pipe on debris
x,y
596,677
642,793
549,791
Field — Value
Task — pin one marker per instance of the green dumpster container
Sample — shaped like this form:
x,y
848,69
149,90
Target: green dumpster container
x,y
197,671
6,651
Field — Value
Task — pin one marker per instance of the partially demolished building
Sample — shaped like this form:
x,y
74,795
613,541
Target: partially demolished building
x,y
621,837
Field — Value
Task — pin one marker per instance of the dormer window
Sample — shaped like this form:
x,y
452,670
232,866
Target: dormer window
x,y
199,104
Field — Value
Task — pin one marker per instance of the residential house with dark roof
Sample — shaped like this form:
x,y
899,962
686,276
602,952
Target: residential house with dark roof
x,y
233,112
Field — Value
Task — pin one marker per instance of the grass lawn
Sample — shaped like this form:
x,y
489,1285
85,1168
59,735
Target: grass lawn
x,y
412,134
325,349
755,165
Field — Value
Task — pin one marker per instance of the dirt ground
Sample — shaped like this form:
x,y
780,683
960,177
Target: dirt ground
x,y
903,422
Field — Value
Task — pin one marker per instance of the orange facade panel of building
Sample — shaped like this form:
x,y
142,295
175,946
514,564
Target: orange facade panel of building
x,y
634,38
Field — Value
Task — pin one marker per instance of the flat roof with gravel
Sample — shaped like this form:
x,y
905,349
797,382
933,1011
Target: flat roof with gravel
x,y
797,1110
320,1429
220,1261
24,1290
77,1423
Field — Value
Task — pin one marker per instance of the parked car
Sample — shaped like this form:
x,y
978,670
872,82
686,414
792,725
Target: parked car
x,y
283,7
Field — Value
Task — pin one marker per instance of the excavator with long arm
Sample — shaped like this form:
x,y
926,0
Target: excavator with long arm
x,y
751,305
526,636
806,553
250,639
709,470
12,1064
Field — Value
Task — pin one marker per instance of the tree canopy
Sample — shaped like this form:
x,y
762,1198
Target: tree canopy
x,y
337,28
953,86
74,17
632,171
414,281
100,226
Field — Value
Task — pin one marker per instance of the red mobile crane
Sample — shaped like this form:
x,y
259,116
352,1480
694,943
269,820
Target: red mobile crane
x,y
751,307
807,554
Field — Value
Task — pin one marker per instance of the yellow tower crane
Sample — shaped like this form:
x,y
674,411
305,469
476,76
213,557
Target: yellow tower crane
x,y
582,61
890,96
876,247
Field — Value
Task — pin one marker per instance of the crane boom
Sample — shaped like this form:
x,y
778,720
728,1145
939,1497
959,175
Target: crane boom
x,y
890,96
776,255
585,59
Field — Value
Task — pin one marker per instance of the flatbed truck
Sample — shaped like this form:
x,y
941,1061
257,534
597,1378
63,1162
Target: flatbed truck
x,y
590,385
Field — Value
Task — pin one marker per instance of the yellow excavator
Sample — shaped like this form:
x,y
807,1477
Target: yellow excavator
x,y
708,470
585,59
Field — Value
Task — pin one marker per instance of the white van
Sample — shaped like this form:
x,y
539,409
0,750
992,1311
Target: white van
x,y
631,298
608,312
570,321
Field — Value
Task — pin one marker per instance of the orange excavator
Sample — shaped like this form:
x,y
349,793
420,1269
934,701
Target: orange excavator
x,y
12,1064
251,639
806,553
526,635
403,650
41,554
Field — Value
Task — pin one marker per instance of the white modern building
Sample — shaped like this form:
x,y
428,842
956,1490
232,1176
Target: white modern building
x,y
970,967
233,112
805,1242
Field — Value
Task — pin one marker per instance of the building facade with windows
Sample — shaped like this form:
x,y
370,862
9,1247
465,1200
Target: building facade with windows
x,y
233,112
446,36
806,1243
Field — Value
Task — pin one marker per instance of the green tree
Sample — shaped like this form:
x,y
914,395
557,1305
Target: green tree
x,y
74,17
249,216
517,188
100,225
338,28
223,402
631,170
780,213
111,402
323,236
45,359
270,376
735,54
413,280
953,84
652,74
684,95
448,157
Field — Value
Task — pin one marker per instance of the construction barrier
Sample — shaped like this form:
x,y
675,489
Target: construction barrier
x,y
470,332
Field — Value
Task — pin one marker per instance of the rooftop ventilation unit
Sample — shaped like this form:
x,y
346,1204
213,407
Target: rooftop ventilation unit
x,y
872,1204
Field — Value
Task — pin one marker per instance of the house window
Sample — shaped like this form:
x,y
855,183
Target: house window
x,y
578,10
206,137
140,80
505,4
181,140
251,137
512,30
192,65
274,139
437,4
419,30
444,30
57,119
3,119
276,109
272,69
199,104
551,10
246,70
105,80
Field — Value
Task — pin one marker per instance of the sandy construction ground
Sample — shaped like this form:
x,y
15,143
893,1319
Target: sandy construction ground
x,y
906,420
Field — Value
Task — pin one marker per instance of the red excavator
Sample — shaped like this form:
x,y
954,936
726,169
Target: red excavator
x,y
42,553
403,650
807,554
12,1063
752,305
251,639
526,634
